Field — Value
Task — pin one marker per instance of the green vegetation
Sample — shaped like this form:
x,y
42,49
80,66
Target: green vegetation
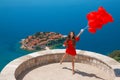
x,y
115,54
54,42
56,46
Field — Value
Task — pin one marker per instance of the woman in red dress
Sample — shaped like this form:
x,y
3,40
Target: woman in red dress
x,y
70,44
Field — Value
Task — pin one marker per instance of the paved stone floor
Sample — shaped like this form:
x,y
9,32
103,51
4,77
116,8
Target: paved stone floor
x,y
63,72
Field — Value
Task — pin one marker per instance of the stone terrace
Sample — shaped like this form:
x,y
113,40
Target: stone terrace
x,y
45,65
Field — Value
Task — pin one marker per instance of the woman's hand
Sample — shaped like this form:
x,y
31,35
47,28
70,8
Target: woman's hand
x,y
47,48
82,30
63,45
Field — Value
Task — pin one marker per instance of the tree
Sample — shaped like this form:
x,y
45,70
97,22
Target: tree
x,y
115,54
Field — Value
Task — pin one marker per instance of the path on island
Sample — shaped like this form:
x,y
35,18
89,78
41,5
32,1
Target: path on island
x,y
56,71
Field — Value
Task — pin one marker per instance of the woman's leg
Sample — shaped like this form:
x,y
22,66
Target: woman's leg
x,y
73,62
63,58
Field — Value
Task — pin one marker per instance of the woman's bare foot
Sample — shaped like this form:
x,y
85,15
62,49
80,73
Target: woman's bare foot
x,y
73,72
63,58
60,62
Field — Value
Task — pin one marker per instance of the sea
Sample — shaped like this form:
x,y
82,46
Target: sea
x,y
21,18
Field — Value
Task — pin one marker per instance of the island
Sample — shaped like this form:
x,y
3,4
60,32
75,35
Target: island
x,y
42,41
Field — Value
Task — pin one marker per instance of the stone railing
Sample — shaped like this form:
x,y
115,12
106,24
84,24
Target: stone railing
x,y
21,65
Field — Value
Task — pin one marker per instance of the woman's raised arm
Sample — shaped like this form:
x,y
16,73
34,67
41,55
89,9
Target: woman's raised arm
x,y
81,31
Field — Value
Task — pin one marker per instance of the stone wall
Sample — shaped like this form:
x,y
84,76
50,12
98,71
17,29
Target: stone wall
x,y
21,65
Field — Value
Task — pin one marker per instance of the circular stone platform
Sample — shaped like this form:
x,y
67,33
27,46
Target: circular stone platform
x,y
56,71
44,65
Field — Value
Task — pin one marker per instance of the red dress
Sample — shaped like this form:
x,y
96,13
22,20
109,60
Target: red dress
x,y
70,49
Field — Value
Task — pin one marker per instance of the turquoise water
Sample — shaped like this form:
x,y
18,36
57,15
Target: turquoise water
x,y
20,18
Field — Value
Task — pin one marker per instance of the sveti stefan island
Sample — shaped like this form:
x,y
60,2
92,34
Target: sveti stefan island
x,y
59,40
42,41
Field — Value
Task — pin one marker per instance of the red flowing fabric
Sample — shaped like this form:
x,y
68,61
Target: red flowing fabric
x,y
70,48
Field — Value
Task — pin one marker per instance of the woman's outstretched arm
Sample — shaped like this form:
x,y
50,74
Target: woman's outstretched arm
x,y
81,31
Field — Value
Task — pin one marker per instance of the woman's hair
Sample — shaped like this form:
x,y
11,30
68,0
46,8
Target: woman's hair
x,y
73,38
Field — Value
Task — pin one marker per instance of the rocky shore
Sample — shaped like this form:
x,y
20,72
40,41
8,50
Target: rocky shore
x,y
42,41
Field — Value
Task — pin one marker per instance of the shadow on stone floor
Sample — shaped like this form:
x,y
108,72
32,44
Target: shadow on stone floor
x,y
84,73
